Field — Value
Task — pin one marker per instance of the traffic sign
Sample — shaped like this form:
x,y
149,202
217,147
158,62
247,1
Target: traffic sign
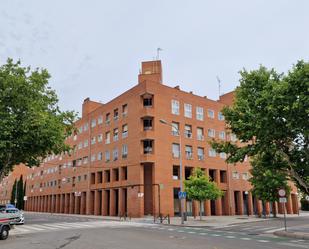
x,y
140,195
25,198
282,200
281,192
182,195
307,197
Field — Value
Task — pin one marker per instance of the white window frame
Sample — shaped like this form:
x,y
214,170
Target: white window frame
x,y
188,110
200,113
175,107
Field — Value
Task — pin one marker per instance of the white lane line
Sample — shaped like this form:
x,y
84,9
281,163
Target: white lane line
x,y
274,230
202,233
191,232
230,237
265,228
263,241
180,231
171,229
215,235
33,227
293,245
245,238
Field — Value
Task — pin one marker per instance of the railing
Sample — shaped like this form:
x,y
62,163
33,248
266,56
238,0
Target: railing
x,y
161,218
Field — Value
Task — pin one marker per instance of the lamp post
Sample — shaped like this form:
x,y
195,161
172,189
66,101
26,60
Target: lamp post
x,y
180,169
247,201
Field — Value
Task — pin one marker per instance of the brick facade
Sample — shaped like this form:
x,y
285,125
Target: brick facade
x,y
125,161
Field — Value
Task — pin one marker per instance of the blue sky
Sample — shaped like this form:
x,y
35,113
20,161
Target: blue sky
x,y
94,48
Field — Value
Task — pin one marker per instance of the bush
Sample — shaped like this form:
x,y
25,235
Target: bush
x,y
304,204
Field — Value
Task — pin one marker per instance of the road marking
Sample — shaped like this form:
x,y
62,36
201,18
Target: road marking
x,y
203,233
191,232
293,245
215,235
245,238
171,229
230,237
263,241
274,230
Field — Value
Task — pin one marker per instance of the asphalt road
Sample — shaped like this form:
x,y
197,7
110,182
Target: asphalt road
x,y
57,232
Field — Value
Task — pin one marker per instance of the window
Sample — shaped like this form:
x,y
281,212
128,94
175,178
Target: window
x,y
100,156
80,145
93,139
85,143
74,137
223,176
107,118
212,152
233,137
188,110
220,116
245,176
176,150
188,131
199,113
148,146
107,137
116,114
116,175
200,133
99,177
176,172
93,157
124,173
115,154
235,175
211,133
85,126
124,151
175,107
124,131
85,160
80,129
212,174
107,176
116,134
147,101
124,110
222,135
85,177
223,155
100,138
93,123
107,156
189,152
211,113
100,119
147,122
200,153
175,129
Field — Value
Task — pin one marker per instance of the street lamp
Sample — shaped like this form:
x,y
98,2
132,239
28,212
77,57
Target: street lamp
x,y
247,201
180,169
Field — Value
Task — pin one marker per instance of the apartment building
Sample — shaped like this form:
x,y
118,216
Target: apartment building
x,y
125,161
6,184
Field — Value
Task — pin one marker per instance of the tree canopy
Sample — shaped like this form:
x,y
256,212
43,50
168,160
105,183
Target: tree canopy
x,y
270,114
31,123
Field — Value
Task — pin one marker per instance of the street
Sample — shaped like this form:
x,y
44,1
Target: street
x,y
52,231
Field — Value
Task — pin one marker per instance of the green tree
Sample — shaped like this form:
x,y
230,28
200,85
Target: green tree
x,y
270,114
200,188
266,181
13,194
20,193
31,124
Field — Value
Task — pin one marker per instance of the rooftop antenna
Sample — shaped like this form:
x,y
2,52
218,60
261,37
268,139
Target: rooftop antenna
x,y
219,85
158,53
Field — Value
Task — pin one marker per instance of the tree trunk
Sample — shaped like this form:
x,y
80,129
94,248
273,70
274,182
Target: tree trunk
x,y
200,210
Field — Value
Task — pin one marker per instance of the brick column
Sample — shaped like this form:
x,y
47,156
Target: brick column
x,y
104,203
240,203
83,203
295,203
96,202
267,208
259,207
72,200
289,208
112,203
219,206
207,208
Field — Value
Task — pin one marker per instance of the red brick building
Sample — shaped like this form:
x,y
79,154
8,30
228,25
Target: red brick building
x,y
126,161
6,184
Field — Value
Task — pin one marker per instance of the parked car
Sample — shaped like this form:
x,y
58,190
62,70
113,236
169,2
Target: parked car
x,y
5,226
16,215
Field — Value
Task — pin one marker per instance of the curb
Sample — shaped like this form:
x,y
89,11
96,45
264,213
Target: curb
x,y
295,235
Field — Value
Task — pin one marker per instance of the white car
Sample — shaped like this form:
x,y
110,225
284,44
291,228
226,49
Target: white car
x,y
14,212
